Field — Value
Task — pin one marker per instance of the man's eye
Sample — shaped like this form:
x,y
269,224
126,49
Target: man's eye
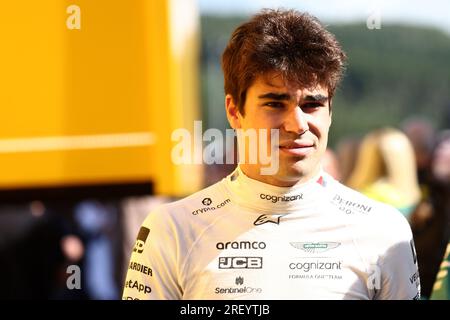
x,y
312,105
274,104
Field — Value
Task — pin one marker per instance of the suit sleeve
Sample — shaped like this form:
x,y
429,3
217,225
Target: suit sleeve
x,y
399,268
153,267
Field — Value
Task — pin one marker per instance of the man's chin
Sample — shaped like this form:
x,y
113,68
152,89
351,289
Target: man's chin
x,y
291,173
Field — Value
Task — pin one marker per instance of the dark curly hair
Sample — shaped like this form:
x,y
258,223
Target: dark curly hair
x,y
292,43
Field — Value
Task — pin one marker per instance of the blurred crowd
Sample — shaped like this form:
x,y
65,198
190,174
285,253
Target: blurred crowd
x,y
408,168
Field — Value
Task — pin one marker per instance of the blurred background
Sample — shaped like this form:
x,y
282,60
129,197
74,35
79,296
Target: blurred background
x,y
91,92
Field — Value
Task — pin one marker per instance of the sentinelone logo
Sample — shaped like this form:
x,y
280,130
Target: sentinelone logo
x,y
275,199
239,281
206,209
245,289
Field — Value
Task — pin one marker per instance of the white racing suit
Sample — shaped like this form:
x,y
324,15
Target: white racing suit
x,y
244,239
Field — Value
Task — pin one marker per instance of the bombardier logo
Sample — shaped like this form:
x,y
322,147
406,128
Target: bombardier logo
x,y
264,218
140,268
240,262
315,247
243,245
275,199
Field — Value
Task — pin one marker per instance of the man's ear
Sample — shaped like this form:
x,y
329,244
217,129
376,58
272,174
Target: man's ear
x,y
233,113
331,111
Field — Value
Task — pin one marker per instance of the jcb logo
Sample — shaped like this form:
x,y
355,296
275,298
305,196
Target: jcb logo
x,y
240,263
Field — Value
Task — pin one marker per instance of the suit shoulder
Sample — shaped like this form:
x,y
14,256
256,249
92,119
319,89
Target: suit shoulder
x,y
376,216
206,200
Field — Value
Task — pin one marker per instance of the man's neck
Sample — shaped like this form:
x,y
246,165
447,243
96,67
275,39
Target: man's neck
x,y
276,180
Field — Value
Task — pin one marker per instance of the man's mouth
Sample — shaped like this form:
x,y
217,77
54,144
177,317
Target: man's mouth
x,y
297,148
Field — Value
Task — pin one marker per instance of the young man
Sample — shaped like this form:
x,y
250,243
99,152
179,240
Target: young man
x,y
295,233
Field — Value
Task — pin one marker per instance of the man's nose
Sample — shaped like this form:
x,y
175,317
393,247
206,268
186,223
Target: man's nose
x,y
296,121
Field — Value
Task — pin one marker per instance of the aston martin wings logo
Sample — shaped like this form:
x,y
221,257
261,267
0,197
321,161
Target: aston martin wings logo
x,y
315,247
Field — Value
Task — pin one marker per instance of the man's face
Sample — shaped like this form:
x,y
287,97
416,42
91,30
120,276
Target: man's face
x,y
301,115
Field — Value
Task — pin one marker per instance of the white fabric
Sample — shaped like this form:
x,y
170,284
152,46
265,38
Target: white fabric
x,y
244,239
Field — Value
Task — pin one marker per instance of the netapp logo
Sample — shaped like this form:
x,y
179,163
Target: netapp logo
x,y
315,247
275,199
317,265
141,238
240,262
243,245
138,286
140,268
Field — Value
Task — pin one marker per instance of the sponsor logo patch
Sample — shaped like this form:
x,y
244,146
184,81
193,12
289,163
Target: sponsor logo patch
x,y
242,245
315,247
141,238
240,262
264,218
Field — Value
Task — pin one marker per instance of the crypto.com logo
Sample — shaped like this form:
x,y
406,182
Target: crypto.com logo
x,y
253,147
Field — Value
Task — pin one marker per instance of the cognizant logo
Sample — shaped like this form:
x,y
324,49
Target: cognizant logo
x,y
307,266
211,208
275,199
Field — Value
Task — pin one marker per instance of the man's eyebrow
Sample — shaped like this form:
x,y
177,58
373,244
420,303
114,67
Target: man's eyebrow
x,y
285,96
275,96
316,98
